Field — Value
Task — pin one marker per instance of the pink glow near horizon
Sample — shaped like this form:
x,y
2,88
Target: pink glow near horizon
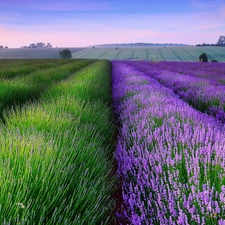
x,y
15,38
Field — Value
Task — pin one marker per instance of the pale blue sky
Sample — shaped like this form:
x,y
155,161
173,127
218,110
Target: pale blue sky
x,y
76,23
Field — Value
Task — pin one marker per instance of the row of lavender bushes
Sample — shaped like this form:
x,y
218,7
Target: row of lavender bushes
x,y
56,154
214,71
204,94
170,156
29,86
11,68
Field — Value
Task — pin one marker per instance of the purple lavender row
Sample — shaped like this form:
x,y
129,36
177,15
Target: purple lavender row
x,y
171,157
205,95
214,71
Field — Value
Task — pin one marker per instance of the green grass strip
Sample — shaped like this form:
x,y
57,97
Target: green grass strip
x,y
55,163
21,89
14,68
99,57
117,55
146,55
178,57
161,55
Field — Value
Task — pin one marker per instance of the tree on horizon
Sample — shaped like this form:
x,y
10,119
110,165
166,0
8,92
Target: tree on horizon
x,y
65,54
203,58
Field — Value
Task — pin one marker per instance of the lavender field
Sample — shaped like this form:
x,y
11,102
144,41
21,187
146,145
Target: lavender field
x,y
122,142
171,142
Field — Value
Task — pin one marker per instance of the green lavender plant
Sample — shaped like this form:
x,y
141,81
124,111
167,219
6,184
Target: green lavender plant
x,y
56,154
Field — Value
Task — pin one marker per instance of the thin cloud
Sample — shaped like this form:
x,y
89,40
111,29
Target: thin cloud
x,y
104,35
207,27
85,5
222,12
61,6
6,18
207,5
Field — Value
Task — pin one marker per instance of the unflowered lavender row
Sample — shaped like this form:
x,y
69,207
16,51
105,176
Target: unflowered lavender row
x,y
170,156
205,95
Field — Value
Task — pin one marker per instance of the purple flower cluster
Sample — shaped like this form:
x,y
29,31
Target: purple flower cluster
x,y
171,157
214,71
203,94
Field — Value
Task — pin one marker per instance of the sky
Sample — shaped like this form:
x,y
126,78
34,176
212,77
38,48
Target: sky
x,y
81,23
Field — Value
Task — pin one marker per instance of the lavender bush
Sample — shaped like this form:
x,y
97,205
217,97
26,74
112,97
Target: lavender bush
x,y
206,95
170,156
214,71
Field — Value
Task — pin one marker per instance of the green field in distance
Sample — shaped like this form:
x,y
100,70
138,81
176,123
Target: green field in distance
x,y
153,53
33,53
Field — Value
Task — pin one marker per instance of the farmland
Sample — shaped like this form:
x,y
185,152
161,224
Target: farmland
x,y
168,53
89,141
154,53
32,53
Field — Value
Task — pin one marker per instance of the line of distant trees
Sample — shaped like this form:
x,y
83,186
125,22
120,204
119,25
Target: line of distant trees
x,y
220,42
38,45
1,47
210,44
138,44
